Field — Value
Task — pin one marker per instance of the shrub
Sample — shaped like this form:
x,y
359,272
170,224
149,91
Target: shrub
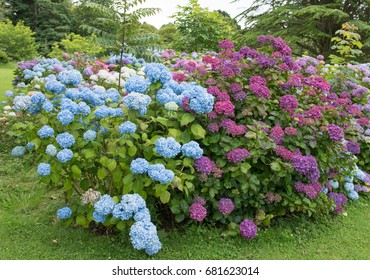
x,y
17,41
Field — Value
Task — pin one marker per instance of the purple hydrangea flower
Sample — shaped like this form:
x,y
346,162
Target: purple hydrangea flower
x,y
225,206
248,229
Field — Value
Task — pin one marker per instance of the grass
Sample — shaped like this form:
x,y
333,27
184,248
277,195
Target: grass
x,y
6,77
28,231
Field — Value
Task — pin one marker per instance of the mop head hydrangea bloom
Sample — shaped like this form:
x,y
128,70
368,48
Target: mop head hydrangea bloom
x,y
238,155
197,212
72,77
200,100
306,165
64,213
65,117
18,151
204,165
65,140
248,229
192,150
89,135
105,205
137,101
157,72
335,132
43,169
167,147
139,166
64,155
127,127
21,103
136,84
143,235
159,173
225,206
51,150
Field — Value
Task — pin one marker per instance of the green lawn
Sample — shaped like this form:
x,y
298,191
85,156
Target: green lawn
x,y
6,77
28,228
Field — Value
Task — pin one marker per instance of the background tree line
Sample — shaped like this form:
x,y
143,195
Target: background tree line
x,y
307,25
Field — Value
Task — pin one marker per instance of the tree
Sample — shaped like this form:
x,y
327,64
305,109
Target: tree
x,y
307,25
50,20
200,29
167,34
123,15
17,41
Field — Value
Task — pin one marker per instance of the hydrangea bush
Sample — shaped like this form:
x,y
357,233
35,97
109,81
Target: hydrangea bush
x,y
236,137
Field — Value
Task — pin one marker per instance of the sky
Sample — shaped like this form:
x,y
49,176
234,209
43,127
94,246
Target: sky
x,y
169,8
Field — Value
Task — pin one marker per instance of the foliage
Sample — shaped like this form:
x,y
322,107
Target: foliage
x,y
17,41
3,57
75,43
200,29
307,26
122,18
50,20
167,35
266,137
347,44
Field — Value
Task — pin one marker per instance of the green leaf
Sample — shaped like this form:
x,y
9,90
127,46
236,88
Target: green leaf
x,y
76,171
89,153
67,185
244,167
186,119
275,166
165,197
198,131
132,151
102,173
121,225
81,220
112,164
179,218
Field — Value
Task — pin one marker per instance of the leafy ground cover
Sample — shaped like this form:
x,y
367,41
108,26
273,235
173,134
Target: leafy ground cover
x,y
28,231
6,74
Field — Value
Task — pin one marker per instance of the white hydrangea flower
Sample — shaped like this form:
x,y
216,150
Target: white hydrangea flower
x,y
94,78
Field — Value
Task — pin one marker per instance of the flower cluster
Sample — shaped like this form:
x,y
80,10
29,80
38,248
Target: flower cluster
x,y
311,189
136,84
197,212
127,127
238,155
335,132
137,101
192,150
168,147
65,140
225,206
43,169
259,88
64,213
306,165
248,229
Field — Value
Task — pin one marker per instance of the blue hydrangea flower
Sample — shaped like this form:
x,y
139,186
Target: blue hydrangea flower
x,y
159,173
64,213
21,102
73,77
157,72
348,179
89,135
30,145
48,106
83,108
142,215
64,155
133,202
192,150
360,175
166,95
34,109
68,104
349,186
142,234
139,166
18,151
38,98
51,150
65,117
65,140
72,93
45,132
105,205
325,190
153,247
167,147
334,184
9,93
113,94
55,86
127,127
136,84
43,169
121,211
200,100
103,112
353,195
99,218
137,101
